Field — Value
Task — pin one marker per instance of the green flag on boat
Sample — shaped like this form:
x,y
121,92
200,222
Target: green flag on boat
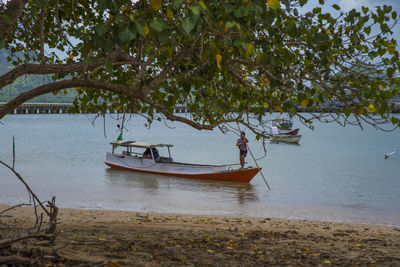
x,y
119,138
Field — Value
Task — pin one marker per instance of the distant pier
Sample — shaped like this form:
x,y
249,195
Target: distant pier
x,y
61,108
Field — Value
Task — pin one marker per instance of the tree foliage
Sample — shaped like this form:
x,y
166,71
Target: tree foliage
x,y
227,61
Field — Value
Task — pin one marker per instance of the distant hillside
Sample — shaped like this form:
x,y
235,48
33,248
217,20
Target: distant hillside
x,y
28,82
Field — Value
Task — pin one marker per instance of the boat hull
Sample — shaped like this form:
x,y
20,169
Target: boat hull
x,y
195,171
286,138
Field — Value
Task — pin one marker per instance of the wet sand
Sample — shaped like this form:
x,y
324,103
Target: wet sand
x,y
152,239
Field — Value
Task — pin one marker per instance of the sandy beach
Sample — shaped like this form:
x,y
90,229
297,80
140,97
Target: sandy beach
x,y
116,238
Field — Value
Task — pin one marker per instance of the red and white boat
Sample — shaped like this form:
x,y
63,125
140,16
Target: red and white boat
x,y
281,131
134,161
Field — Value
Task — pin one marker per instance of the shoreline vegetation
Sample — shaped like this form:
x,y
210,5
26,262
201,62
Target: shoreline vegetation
x,y
118,238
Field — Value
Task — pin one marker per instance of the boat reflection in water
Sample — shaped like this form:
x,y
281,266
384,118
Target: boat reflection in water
x,y
182,190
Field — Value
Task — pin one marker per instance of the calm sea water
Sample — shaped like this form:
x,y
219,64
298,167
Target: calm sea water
x,y
336,174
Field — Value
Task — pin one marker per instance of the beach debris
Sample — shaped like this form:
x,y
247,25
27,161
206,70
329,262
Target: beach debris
x,y
44,227
340,234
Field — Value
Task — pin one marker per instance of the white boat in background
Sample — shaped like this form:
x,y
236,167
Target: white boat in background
x,y
134,161
286,138
281,131
391,153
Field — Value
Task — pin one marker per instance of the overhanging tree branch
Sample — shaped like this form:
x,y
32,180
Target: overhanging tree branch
x,y
56,86
199,126
29,68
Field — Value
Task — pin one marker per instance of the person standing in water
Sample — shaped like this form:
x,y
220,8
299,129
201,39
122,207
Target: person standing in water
x,y
242,145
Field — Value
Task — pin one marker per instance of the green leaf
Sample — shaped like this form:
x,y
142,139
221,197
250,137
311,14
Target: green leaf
x,y
109,66
316,10
390,71
346,111
250,49
258,10
218,58
101,29
126,34
169,13
245,45
157,25
273,4
108,45
140,28
395,120
195,10
188,25
102,5
203,6
321,2
177,3
155,4
228,24
8,19
163,37
319,37
146,29
302,2
335,6
242,11
367,30
394,15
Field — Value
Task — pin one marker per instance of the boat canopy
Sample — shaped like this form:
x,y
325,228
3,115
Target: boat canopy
x,y
125,143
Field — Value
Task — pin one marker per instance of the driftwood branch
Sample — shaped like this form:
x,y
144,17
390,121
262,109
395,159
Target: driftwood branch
x,y
14,259
27,187
8,241
29,249
13,152
39,231
52,224
65,253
